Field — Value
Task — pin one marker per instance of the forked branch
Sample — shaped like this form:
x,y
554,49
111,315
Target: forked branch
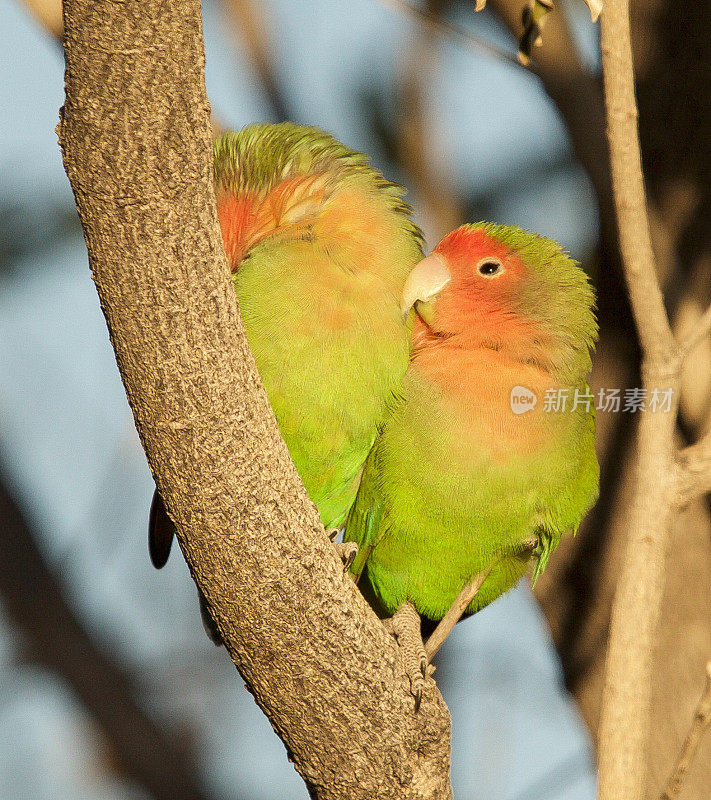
x,y
626,705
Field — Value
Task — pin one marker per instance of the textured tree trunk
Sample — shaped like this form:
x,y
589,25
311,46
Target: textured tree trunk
x,y
136,145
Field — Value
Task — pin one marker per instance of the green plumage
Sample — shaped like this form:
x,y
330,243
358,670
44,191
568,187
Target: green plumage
x,y
319,295
260,157
457,482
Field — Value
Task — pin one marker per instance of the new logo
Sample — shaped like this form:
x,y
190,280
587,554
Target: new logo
x,y
522,400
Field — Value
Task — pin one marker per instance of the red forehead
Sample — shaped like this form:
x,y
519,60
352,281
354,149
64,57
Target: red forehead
x,y
467,246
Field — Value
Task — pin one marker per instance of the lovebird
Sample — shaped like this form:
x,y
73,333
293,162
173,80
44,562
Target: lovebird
x,y
488,457
320,245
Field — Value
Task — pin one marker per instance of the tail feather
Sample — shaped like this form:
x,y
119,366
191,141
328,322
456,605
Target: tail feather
x,y
160,532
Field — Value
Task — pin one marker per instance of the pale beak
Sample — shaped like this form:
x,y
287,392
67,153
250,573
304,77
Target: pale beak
x,y
425,282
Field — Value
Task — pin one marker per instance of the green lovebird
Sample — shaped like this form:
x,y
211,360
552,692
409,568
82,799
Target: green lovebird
x,y
320,245
479,467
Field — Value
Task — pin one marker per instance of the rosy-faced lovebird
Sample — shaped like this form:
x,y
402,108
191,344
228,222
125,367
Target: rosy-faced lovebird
x,y
319,244
479,458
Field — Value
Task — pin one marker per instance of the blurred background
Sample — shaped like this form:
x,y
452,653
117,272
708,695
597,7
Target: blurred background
x,y
108,686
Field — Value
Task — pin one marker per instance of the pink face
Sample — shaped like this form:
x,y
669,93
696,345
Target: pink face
x,y
479,300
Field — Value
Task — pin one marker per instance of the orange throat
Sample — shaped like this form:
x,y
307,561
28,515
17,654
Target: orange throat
x,y
482,387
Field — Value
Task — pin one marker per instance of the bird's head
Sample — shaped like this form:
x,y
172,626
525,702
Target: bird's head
x,y
503,288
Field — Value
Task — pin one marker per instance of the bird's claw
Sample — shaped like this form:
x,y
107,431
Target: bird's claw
x,y
347,551
405,626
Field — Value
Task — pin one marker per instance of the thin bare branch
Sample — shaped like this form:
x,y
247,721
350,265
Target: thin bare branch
x,y
463,601
700,330
693,475
699,724
626,166
625,717
452,617
443,27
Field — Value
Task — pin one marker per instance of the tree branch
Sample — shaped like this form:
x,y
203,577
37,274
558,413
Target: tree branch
x,y
48,13
452,617
442,27
701,721
626,166
136,146
626,703
700,330
693,477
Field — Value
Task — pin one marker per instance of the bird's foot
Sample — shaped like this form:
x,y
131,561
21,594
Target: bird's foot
x,y
347,551
405,626
332,533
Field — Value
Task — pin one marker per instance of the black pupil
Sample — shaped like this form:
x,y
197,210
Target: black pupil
x,y
489,268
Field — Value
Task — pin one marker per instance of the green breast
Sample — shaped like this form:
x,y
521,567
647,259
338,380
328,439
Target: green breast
x,y
449,508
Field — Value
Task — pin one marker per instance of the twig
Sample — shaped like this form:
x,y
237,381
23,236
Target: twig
x,y
462,602
471,41
626,165
701,721
693,477
452,617
700,330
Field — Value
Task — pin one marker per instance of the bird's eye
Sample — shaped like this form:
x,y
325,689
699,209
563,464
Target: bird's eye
x,y
490,267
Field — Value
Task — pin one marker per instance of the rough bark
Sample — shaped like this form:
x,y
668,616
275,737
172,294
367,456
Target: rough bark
x,y
136,145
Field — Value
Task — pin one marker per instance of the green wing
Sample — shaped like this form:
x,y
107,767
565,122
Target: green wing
x,y
363,525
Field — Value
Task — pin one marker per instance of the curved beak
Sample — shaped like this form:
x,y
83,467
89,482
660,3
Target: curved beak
x,y
425,282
